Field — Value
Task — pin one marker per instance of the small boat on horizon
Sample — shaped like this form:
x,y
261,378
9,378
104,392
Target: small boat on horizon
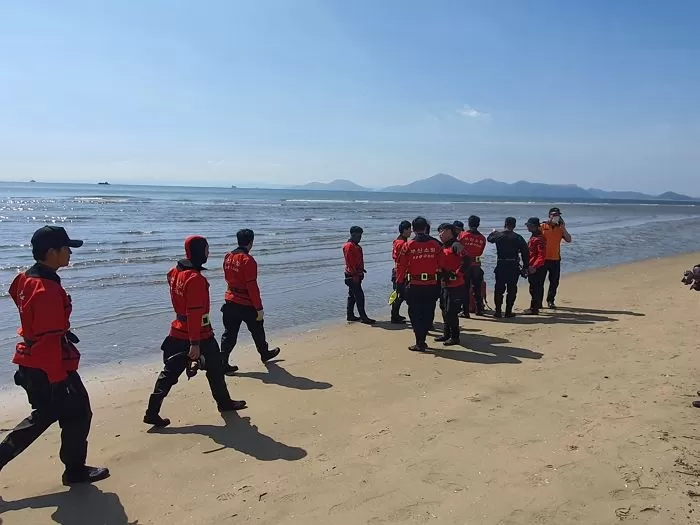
x,y
103,183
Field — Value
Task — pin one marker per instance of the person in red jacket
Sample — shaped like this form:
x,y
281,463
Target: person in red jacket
x,y
48,360
191,343
242,302
404,235
453,289
537,245
419,262
474,244
354,274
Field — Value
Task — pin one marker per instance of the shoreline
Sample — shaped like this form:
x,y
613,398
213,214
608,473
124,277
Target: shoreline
x,y
152,361
579,416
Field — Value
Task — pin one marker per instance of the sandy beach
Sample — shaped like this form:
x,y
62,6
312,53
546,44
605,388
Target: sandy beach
x,y
581,416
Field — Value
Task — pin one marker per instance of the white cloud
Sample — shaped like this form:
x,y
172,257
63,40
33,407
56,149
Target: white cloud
x,y
470,112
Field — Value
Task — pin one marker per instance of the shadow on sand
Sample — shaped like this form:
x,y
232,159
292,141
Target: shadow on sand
x,y
81,505
277,375
239,434
483,349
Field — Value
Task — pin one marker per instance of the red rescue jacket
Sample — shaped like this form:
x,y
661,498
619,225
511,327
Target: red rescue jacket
x,y
241,274
420,261
189,294
44,312
453,276
474,244
354,261
538,251
397,247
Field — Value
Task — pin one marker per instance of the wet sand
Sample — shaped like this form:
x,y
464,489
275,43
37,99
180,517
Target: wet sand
x,y
581,416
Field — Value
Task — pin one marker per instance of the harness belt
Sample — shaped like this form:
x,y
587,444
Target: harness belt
x,y
183,319
423,277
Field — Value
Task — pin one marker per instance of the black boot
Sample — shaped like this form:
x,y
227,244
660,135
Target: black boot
x,y
498,303
351,310
509,307
152,416
84,474
269,354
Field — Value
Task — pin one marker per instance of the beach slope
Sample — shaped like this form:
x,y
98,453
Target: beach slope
x,y
581,416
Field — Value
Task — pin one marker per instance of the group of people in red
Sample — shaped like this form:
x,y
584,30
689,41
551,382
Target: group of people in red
x,y
448,270
47,358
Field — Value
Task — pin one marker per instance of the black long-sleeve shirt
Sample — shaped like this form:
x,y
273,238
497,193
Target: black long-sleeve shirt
x,y
509,245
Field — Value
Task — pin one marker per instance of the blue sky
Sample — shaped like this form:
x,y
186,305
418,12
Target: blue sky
x,y
596,93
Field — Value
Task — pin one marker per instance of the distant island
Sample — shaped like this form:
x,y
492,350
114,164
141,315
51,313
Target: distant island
x,y
444,184
336,185
103,183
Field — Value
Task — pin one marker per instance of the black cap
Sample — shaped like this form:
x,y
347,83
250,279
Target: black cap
x,y
55,237
532,221
458,224
554,210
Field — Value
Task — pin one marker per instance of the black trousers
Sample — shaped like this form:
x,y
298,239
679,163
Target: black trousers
x,y
553,268
451,300
66,402
356,296
401,291
537,288
233,316
175,360
474,279
507,275
421,308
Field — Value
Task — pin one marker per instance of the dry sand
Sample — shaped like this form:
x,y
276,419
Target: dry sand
x,y
578,417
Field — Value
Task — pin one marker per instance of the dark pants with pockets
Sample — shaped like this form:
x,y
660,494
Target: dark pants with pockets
x,y
176,360
421,301
553,268
537,288
451,300
507,275
234,315
356,296
66,402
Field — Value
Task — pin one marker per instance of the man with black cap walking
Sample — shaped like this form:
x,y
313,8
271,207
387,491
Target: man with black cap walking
x,y
509,245
554,230
191,344
48,359
354,274
243,303
537,246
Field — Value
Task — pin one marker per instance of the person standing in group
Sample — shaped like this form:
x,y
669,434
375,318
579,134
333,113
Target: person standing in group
x,y
537,246
474,244
354,275
459,227
419,263
554,230
242,302
404,235
508,246
453,290
48,360
191,343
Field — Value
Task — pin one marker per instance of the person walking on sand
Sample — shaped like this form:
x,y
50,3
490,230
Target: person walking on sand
x,y
243,303
354,275
418,265
537,246
554,230
404,235
191,343
508,246
48,360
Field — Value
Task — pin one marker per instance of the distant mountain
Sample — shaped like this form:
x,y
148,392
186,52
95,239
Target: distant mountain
x,y
443,183
336,185
673,196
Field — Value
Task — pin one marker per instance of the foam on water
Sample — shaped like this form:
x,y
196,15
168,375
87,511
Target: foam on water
x,y
133,235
